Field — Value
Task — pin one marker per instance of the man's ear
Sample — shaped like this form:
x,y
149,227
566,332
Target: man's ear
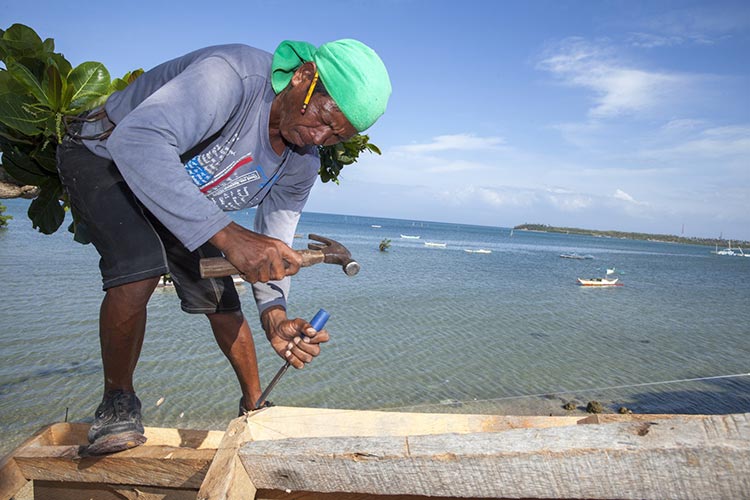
x,y
304,74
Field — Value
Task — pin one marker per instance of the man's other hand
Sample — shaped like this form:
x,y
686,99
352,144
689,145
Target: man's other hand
x,y
256,256
295,340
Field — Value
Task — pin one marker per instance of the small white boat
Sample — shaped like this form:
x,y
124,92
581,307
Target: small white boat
x,y
375,225
478,250
576,256
435,245
599,282
725,251
407,237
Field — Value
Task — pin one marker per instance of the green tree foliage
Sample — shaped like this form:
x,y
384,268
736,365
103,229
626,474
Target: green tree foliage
x,y
4,218
39,88
669,238
336,157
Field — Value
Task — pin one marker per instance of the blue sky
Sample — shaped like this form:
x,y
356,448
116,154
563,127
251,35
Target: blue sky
x,y
625,115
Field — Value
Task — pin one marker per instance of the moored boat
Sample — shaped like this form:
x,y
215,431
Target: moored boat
x,y
409,237
599,282
434,244
576,256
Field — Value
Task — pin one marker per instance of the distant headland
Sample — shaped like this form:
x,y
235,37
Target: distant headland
x,y
664,238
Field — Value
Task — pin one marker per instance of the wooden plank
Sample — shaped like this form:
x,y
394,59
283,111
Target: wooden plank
x,y
12,478
61,434
707,458
316,495
51,490
174,458
280,422
226,478
153,465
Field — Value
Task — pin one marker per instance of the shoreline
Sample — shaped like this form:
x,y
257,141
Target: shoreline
x,y
657,238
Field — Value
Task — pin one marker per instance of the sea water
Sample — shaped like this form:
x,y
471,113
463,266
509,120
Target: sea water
x,y
420,328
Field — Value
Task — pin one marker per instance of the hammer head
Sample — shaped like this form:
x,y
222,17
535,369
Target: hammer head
x,y
334,253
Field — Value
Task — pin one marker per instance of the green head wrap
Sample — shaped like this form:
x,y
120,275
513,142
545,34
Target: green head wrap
x,y
352,72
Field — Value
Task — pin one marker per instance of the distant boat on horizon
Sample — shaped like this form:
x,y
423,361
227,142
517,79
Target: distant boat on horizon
x,y
576,256
434,244
408,237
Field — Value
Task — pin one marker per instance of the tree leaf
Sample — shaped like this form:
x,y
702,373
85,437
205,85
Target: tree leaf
x,y
62,64
22,168
17,111
30,82
9,85
44,156
20,41
90,81
46,211
53,87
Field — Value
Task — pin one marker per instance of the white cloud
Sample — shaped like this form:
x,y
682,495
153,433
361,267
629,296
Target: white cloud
x,y
729,145
682,125
618,88
456,142
650,40
622,195
569,202
701,25
494,197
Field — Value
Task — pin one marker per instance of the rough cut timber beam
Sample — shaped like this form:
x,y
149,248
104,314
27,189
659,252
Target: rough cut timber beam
x,y
172,458
682,457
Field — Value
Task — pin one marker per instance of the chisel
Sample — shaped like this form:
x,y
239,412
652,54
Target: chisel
x,y
318,323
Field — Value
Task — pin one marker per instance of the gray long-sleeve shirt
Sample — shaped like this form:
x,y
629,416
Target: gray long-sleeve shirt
x,y
191,140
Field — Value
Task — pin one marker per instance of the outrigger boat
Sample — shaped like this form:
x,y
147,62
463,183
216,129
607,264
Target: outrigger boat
x,y
329,454
600,281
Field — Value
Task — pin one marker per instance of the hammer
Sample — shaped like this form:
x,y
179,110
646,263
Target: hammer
x,y
330,252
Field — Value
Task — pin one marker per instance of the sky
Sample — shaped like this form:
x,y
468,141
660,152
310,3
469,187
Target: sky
x,y
611,115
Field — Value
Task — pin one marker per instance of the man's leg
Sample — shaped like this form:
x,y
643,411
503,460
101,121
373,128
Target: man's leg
x,y
132,259
122,325
235,339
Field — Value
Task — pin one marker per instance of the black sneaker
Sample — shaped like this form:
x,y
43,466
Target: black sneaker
x,y
117,424
244,410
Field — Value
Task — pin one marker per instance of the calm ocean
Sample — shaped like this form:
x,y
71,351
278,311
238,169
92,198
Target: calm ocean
x,y
419,328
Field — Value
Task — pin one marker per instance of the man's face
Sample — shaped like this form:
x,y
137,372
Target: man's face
x,y
322,124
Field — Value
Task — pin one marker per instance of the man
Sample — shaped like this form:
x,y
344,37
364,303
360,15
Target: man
x,y
151,174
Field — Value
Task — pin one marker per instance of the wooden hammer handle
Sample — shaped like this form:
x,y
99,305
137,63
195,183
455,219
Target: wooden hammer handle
x,y
218,267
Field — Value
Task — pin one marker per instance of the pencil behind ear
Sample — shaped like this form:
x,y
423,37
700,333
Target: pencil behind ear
x,y
309,93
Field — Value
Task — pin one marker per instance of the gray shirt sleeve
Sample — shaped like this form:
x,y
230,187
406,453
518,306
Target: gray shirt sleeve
x,y
278,215
147,143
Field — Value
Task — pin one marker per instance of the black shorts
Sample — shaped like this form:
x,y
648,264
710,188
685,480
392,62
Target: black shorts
x,y
132,243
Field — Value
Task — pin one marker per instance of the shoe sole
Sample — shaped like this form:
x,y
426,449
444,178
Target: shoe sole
x,y
112,443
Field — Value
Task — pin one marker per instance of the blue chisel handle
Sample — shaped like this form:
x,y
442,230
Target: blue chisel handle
x,y
319,320
318,323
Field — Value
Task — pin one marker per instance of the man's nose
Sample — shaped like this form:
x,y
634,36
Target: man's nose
x,y
320,136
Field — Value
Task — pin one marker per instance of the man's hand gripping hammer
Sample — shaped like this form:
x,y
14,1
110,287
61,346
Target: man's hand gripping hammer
x,y
328,251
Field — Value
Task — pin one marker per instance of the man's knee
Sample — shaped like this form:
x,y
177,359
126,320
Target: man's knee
x,y
135,294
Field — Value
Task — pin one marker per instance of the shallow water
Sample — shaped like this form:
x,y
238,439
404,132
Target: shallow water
x,y
419,328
